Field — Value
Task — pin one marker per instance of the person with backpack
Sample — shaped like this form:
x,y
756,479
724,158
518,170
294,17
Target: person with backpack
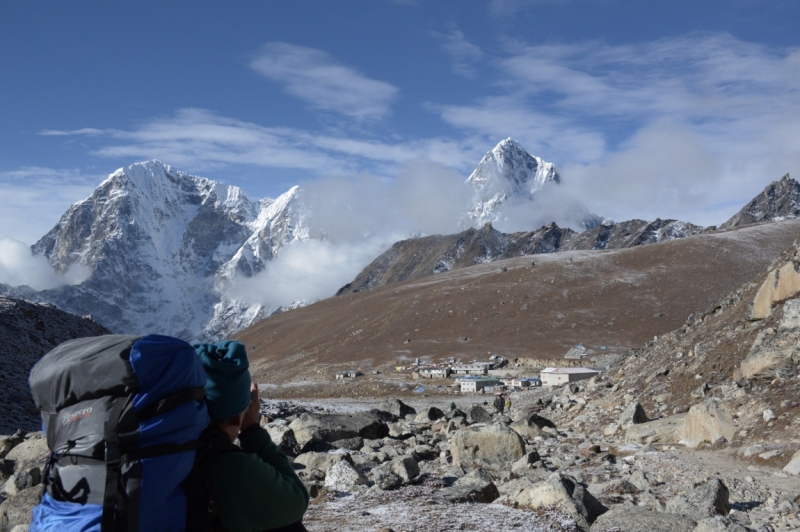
x,y
253,486
140,433
508,404
498,404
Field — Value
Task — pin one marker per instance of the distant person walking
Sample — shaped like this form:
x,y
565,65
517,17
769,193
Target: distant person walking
x,y
499,404
508,404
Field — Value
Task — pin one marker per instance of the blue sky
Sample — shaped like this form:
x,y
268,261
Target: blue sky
x,y
670,109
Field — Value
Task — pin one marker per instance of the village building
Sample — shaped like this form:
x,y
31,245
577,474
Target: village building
x,y
435,373
524,382
556,376
477,384
475,368
352,374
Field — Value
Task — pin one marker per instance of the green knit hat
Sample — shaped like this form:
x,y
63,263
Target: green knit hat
x,y
227,377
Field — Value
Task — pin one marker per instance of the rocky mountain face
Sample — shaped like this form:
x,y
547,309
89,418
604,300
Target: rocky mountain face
x,y
419,257
28,331
162,246
780,200
509,175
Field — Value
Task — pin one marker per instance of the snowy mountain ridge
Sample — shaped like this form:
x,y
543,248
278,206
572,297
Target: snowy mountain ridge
x,y
163,245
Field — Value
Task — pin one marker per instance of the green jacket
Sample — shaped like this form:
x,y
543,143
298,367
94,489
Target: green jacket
x,y
257,489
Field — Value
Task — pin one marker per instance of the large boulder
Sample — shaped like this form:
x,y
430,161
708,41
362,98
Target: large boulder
x,y
493,445
429,415
637,519
773,354
477,486
562,492
16,510
313,429
708,421
478,414
532,425
396,407
719,524
33,450
665,430
706,500
632,415
781,284
283,437
343,476
793,467
9,442
321,461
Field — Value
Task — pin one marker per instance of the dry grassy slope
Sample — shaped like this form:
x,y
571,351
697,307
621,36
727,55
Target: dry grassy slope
x,y
619,299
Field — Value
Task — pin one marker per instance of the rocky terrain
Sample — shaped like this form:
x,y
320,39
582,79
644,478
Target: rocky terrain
x,y
779,200
695,431
617,299
420,257
28,331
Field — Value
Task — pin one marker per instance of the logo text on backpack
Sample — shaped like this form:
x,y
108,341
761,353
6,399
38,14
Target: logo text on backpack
x,y
80,414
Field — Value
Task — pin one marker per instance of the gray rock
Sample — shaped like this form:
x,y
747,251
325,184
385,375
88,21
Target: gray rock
x,y
793,467
396,407
637,519
429,415
31,450
385,478
476,486
321,461
719,524
564,493
16,510
664,430
9,442
706,500
633,414
22,480
478,414
313,429
343,476
533,425
771,356
495,445
284,438
351,444
640,480
406,468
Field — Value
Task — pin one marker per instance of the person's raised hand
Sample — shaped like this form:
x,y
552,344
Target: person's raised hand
x,y
253,413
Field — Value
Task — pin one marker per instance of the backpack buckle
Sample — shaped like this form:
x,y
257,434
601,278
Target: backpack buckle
x,y
112,453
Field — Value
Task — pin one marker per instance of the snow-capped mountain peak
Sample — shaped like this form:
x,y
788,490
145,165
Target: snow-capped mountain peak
x,y
510,169
506,173
161,244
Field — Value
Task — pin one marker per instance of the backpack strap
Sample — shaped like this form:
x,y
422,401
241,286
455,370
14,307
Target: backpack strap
x,y
113,500
202,514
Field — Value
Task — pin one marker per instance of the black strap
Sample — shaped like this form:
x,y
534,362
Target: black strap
x,y
112,496
170,402
159,450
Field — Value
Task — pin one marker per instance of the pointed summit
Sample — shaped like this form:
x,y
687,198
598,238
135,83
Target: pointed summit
x,y
506,173
781,199
510,169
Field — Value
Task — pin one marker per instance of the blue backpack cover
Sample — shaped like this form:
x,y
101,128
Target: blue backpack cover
x,y
123,416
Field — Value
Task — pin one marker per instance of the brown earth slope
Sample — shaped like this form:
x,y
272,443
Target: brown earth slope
x,y
618,299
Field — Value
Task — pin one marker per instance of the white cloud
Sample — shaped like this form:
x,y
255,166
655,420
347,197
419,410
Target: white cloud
x,y
689,127
199,139
34,199
315,77
19,267
360,216
463,53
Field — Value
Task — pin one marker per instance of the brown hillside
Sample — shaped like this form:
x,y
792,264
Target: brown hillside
x,y
619,299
